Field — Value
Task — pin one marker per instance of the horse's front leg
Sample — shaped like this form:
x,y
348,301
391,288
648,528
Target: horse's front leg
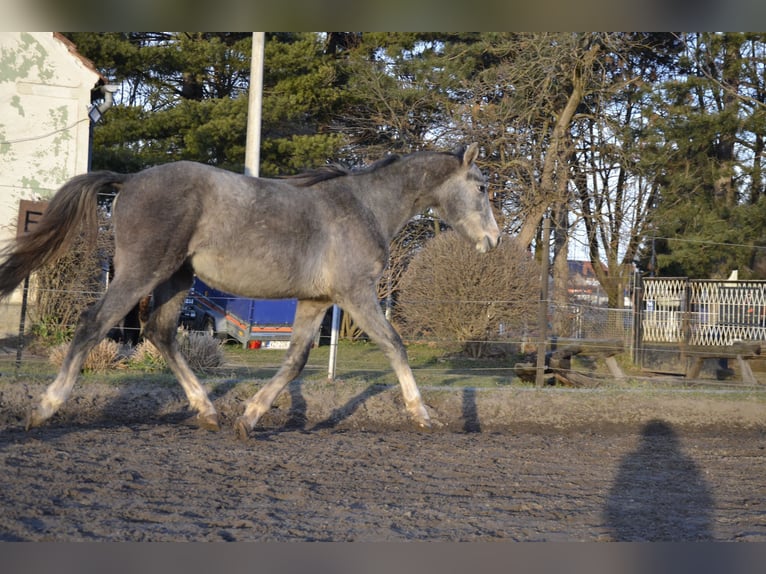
x,y
369,317
308,318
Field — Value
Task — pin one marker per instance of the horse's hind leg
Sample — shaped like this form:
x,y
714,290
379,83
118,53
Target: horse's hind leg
x,y
161,329
369,317
308,318
93,326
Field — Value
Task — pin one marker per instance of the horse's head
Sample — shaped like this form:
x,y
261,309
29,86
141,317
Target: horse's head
x,y
462,201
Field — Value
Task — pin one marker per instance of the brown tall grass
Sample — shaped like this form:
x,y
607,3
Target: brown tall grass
x,y
201,351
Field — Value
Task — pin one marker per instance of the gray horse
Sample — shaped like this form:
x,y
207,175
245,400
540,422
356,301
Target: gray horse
x,y
321,237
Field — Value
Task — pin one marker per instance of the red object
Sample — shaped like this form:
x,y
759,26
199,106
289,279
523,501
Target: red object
x,y
253,344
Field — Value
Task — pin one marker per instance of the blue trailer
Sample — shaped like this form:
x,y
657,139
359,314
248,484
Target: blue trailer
x,y
255,323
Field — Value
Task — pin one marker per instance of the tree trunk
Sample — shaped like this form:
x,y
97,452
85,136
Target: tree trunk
x,y
561,270
557,151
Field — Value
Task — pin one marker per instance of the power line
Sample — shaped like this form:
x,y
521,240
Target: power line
x,y
708,242
583,243
43,136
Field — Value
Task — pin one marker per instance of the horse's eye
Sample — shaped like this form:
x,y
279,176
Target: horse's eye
x,y
483,188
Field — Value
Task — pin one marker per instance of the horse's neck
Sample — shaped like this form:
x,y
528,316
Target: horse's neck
x,y
405,193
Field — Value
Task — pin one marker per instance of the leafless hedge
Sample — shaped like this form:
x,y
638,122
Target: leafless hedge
x,y
63,289
452,293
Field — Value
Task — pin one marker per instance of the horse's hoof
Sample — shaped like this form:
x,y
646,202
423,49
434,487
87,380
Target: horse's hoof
x,y
208,422
420,419
242,429
34,419
424,426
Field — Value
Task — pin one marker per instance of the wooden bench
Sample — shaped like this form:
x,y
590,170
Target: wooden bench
x,y
741,351
558,361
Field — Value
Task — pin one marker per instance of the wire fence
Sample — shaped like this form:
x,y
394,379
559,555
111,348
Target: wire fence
x,y
593,322
649,336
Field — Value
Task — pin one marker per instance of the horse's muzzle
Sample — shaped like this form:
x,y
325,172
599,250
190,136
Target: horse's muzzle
x,y
488,243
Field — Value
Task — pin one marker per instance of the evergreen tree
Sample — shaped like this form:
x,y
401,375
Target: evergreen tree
x,y
185,95
707,158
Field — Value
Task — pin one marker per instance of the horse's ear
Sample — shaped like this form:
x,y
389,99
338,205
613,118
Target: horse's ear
x,y
470,154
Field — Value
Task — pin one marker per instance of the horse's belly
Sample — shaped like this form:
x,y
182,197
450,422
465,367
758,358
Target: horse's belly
x,y
265,280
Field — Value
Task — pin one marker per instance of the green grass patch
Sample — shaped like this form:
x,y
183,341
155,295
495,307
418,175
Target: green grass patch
x,y
361,363
361,360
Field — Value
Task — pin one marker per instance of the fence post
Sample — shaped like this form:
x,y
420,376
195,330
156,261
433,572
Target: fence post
x,y
638,301
542,316
334,342
22,322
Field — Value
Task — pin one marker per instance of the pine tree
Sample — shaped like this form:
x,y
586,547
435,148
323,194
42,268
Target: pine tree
x,y
708,159
184,96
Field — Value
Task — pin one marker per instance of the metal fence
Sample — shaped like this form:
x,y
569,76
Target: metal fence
x,y
669,315
593,323
699,312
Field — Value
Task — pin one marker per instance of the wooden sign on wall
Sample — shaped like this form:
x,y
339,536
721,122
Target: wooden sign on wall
x,y
30,213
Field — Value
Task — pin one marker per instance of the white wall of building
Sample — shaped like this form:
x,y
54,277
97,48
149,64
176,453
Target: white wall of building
x,y
45,90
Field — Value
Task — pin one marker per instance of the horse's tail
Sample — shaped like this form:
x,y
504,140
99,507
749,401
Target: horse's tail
x,y
72,210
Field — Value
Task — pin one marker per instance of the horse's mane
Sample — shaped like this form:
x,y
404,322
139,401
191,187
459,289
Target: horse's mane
x,y
332,171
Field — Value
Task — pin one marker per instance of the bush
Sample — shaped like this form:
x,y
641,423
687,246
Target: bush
x,y
105,356
200,350
64,288
147,357
452,293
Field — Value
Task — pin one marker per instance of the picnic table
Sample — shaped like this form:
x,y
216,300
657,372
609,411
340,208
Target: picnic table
x,y
558,361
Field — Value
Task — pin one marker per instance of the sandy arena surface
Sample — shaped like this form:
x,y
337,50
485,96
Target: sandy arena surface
x,y
341,463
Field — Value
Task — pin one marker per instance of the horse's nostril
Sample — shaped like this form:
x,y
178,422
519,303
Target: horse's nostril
x,y
488,243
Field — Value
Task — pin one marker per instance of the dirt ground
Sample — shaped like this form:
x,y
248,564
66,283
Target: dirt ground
x,y
339,463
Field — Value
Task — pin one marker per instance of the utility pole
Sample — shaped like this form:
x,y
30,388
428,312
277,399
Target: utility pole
x,y
542,317
254,106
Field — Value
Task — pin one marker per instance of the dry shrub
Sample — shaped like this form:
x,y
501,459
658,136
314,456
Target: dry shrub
x,y
103,357
452,293
63,289
201,350
147,357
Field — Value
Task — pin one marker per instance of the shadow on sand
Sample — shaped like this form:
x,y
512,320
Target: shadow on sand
x,y
659,493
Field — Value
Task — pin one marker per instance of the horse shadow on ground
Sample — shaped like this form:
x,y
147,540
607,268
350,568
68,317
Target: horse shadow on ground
x,y
296,416
166,404
470,414
659,493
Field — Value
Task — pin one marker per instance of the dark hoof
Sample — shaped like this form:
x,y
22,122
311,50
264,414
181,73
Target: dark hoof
x,y
34,419
242,429
207,422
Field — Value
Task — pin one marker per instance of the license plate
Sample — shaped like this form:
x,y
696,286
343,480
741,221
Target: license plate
x,y
276,345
